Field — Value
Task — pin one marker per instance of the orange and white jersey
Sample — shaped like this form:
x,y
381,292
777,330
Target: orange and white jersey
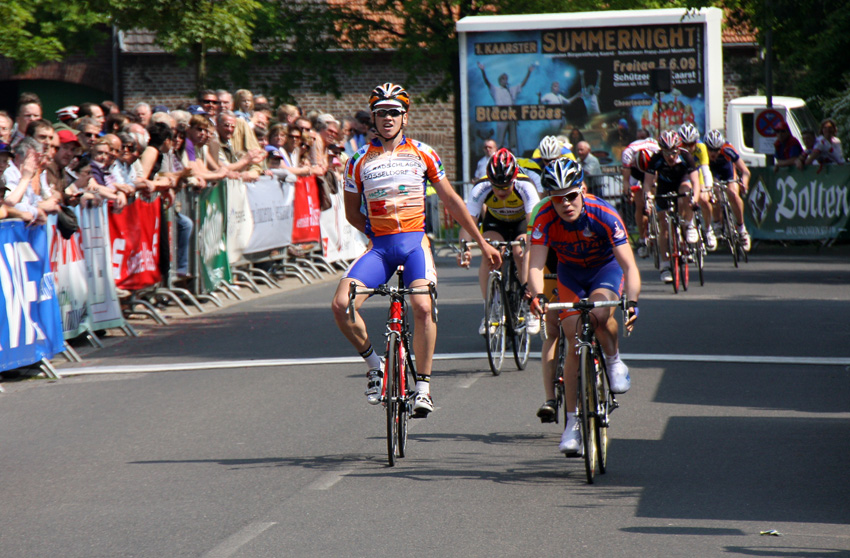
x,y
392,184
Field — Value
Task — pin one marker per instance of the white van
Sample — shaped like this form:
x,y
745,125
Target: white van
x,y
740,126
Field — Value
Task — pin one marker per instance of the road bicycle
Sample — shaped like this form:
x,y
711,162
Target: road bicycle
x,y
653,233
399,386
678,250
729,226
595,402
506,310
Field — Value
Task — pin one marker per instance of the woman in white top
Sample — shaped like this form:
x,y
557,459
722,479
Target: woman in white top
x,y
827,149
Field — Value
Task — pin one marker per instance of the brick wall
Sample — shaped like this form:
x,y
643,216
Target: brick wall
x,y
156,79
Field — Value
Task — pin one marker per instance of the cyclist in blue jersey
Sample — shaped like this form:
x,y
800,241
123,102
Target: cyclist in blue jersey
x,y
725,165
596,262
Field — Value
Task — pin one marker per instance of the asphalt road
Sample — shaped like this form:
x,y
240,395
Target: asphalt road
x,y
256,440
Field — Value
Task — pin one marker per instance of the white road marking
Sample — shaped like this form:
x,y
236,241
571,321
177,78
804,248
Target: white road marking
x,y
467,383
225,364
328,479
234,542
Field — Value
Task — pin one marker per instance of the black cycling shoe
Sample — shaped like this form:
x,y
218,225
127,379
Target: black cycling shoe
x,y
547,411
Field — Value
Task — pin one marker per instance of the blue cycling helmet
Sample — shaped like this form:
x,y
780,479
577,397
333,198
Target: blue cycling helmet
x,y
562,174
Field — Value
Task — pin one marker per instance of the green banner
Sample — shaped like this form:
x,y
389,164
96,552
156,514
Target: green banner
x,y
809,204
212,238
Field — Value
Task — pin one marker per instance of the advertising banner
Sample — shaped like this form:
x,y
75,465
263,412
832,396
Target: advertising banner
x,y
271,203
239,220
30,325
104,308
808,204
212,237
134,233
584,76
306,211
340,241
69,272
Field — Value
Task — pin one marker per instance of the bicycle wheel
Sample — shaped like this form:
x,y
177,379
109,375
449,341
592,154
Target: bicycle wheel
x,y
673,247
391,376
587,412
730,231
521,338
699,259
603,408
559,377
495,323
407,393
652,240
684,250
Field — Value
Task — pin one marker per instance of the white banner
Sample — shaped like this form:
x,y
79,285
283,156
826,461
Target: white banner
x,y
239,223
104,309
270,201
340,241
69,272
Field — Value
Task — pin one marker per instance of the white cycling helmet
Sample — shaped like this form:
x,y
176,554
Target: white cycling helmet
x,y
714,139
689,133
550,148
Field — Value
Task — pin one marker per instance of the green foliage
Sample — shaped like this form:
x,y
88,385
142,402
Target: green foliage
x,y
37,31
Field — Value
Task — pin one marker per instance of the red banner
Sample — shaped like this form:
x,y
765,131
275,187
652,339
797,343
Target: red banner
x,y
134,234
306,211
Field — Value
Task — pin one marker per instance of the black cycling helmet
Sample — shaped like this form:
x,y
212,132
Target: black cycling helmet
x,y
562,174
502,169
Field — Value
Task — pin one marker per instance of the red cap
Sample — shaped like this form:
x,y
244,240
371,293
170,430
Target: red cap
x,y
67,136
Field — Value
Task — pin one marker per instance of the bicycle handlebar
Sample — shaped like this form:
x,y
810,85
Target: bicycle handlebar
x,y
385,290
464,244
584,305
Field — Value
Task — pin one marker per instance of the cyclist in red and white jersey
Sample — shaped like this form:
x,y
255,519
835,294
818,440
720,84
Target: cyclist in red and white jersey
x,y
633,182
387,179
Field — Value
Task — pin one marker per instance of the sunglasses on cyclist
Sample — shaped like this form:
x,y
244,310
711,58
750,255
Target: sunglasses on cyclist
x,y
383,113
570,197
501,186
669,152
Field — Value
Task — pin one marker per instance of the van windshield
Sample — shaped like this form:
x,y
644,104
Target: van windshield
x,y
805,120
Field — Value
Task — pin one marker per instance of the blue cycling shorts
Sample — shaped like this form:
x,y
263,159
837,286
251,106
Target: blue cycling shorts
x,y
377,265
575,283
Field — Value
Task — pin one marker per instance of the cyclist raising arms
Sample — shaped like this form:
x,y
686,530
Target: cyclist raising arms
x,y
506,199
594,258
690,142
725,163
673,170
388,177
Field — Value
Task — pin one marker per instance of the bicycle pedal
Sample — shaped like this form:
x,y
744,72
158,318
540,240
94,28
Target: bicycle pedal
x,y
419,414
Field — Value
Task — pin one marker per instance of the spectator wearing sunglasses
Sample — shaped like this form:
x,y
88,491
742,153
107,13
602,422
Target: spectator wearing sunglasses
x,y
595,262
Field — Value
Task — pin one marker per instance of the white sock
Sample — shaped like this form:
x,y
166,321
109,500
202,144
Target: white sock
x,y
611,359
423,387
373,360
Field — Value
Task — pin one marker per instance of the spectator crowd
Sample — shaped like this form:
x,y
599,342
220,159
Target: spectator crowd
x,y
93,154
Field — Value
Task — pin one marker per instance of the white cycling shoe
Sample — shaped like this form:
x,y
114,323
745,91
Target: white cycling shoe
x,y
571,438
618,377
691,234
710,239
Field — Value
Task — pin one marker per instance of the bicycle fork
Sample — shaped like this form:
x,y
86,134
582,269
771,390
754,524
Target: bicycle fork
x,y
395,330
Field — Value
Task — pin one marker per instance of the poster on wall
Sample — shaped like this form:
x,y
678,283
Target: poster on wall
x,y
588,82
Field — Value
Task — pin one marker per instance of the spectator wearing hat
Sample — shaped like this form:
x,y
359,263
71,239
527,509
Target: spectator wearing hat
x,y
68,147
66,116
787,148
